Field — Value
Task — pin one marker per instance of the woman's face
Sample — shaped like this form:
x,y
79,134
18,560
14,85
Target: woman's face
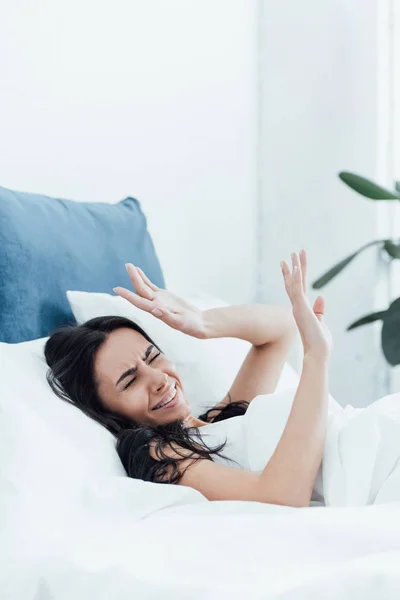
x,y
137,381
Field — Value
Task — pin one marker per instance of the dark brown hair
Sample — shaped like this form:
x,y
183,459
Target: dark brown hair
x,y
70,353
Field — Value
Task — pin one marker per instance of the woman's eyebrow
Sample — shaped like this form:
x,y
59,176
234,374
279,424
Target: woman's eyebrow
x,y
133,370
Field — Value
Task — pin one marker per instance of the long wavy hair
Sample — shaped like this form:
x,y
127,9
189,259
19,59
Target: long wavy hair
x,y
70,353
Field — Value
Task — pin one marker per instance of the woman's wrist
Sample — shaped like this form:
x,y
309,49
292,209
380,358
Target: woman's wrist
x,y
316,359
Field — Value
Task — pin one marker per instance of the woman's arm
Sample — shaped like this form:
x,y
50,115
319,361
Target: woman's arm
x,y
289,475
258,324
270,330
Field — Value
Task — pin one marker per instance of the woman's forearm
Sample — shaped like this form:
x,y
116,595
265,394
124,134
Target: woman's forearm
x,y
293,468
256,323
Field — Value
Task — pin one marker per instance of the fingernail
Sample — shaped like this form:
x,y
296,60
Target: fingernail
x,y
156,312
114,290
281,263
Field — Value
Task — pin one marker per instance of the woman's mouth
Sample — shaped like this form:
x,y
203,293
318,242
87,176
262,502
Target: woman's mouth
x,y
169,402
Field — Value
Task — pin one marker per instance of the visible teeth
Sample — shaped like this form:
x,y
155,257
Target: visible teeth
x,y
166,402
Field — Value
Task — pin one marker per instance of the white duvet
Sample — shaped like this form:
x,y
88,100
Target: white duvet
x,y
210,550
108,537
361,463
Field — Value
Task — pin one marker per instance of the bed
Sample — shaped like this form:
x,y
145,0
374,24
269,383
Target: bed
x,y
72,525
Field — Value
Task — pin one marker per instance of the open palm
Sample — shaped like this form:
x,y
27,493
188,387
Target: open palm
x,y
315,335
164,305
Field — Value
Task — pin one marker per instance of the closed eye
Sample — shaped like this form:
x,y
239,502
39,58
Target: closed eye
x,y
134,379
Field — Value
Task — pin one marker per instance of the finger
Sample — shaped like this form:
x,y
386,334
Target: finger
x,y
146,280
319,308
134,299
304,265
295,260
297,283
140,286
287,277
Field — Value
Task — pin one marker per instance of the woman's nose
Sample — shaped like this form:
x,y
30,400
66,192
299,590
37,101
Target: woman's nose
x,y
160,381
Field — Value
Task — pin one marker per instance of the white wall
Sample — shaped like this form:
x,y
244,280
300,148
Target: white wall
x,y
320,116
158,100
396,99
100,100
393,162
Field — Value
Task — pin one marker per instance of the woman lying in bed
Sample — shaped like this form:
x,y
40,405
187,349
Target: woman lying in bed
x,y
113,371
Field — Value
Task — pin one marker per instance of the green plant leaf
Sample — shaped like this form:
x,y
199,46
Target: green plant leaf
x,y
391,333
392,249
371,318
326,278
367,188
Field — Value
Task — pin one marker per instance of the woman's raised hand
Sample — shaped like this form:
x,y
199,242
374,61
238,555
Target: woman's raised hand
x,y
315,335
167,307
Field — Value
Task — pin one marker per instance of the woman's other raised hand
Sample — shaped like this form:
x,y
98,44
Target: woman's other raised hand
x,y
315,335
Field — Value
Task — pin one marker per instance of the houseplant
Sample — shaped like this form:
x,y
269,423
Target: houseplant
x,y
390,317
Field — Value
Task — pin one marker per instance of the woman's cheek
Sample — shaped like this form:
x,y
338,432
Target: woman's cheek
x,y
134,405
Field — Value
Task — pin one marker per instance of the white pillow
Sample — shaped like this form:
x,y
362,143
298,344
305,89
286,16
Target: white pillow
x,y
26,396
60,475
54,459
207,367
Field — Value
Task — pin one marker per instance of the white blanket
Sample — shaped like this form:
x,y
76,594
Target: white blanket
x,y
81,537
208,551
361,462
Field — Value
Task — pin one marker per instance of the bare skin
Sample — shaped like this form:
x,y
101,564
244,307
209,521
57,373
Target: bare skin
x,y
270,330
153,393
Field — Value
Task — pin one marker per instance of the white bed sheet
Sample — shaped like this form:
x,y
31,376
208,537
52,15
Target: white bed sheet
x,y
202,550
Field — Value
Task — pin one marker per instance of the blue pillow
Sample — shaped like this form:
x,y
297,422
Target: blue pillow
x,y
49,246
